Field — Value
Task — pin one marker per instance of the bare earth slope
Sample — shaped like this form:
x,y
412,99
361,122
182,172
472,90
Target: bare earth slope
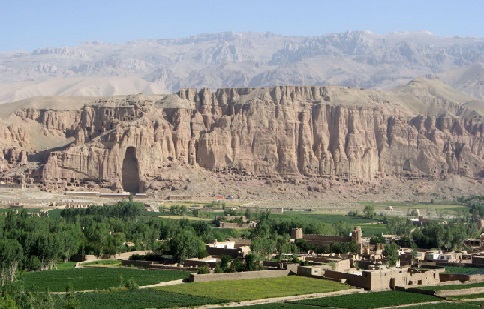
x,y
356,59
251,141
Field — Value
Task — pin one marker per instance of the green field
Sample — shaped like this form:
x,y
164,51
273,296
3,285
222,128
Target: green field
x,y
239,290
467,296
464,270
95,278
373,229
471,304
443,208
323,217
368,226
103,263
452,287
144,298
277,305
66,265
443,304
369,300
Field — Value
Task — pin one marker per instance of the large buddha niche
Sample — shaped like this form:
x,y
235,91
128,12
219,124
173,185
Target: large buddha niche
x,y
130,171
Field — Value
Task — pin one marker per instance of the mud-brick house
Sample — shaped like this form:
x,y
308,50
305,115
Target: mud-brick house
x,y
386,279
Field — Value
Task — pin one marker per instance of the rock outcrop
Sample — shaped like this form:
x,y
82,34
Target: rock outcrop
x,y
127,142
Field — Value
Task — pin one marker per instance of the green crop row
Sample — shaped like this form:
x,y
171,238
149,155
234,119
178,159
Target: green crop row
x,y
240,290
452,287
143,298
96,278
369,300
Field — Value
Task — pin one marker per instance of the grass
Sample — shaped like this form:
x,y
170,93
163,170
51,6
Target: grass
x,y
240,290
103,263
443,208
95,278
452,287
368,226
471,304
464,270
66,265
369,300
144,298
324,218
467,296
277,305
173,217
373,229
444,304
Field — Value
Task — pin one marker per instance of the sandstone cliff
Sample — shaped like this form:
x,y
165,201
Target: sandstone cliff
x,y
338,133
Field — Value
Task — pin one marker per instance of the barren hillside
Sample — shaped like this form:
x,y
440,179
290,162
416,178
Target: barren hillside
x,y
355,59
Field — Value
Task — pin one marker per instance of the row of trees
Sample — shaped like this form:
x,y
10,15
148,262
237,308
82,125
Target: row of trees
x,y
30,242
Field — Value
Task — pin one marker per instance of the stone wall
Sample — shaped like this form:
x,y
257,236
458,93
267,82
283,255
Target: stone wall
x,y
239,276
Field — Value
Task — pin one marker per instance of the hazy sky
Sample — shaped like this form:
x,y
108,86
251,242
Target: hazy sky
x,y
30,24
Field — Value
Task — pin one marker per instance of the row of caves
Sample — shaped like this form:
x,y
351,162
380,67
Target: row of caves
x,y
256,132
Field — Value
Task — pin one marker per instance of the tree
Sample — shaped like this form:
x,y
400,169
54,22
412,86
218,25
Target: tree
x,y
236,266
203,269
369,211
71,301
225,263
11,255
263,246
7,302
252,262
185,244
391,253
377,239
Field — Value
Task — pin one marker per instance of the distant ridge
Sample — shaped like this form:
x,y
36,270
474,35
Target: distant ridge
x,y
354,58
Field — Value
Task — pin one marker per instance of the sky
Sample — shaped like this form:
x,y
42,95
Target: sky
x,y
31,24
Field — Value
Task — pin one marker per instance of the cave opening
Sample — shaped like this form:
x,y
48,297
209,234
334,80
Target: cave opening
x,y
131,171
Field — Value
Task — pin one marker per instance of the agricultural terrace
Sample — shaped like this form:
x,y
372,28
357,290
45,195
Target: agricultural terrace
x,y
464,270
369,300
450,305
95,278
240,290
452,287
343,222
467,296
137,299
434,210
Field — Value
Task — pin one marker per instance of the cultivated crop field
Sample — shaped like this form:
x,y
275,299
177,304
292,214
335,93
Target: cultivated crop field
x,y
369,300
323,217
144,298
277,305
103,263
452,287
240,290
369,227
96,278
464,270
467,296
449,305
404,207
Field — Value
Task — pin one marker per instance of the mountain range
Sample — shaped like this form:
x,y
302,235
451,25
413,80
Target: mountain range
x,y
356,59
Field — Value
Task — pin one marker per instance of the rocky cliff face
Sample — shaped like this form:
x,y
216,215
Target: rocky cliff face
x,y
258,132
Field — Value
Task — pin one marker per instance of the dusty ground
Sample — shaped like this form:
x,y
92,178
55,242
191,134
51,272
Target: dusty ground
x,y
321,194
